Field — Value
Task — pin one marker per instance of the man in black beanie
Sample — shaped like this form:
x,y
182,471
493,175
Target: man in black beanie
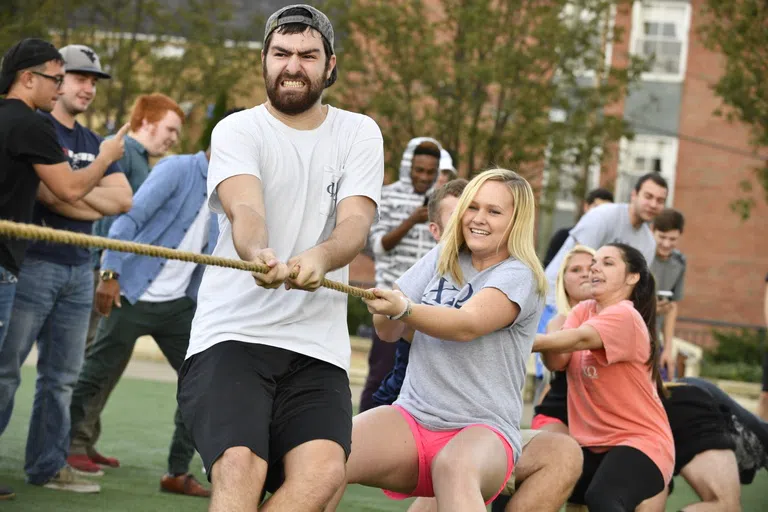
x,y
30,76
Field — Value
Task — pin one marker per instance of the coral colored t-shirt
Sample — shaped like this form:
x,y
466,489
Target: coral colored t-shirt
x,y
612,399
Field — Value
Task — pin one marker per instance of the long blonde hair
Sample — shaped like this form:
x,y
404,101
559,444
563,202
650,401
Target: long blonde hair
x,y
561,296
519,230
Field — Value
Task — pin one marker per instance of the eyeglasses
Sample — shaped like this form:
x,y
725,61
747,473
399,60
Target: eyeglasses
x,y
59,79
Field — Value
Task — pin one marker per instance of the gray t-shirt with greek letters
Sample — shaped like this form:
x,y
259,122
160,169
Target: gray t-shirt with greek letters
x,y
604,224
452,384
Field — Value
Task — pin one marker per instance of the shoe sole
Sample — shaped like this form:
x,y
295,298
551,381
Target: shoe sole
x,y
163,489
73,488
7,496
80,472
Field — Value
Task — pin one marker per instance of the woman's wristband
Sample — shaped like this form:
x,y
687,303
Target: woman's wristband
x,y
405,312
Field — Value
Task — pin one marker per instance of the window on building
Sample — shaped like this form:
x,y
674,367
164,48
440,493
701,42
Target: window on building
x,y
644,154
660,32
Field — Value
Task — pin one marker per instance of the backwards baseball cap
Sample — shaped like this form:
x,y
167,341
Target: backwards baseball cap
x,y
25,54
79,58
310,17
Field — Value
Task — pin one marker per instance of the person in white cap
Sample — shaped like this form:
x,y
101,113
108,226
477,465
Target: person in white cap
x,y
54,292
447,170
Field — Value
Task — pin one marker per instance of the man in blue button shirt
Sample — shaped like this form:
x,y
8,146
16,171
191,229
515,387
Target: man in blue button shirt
x,y
153,296
155,125
55,285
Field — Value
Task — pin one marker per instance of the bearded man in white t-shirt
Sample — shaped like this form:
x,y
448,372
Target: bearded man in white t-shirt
x,y
265,388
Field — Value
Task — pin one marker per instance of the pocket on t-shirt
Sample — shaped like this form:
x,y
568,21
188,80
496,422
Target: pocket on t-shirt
x,y
330,191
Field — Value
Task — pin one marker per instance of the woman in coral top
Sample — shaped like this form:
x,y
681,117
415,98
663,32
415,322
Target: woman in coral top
x,y
608,348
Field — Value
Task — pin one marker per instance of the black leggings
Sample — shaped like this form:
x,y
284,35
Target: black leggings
x,y
617,480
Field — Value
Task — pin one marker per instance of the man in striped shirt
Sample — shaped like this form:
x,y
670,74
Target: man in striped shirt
x,y
399,239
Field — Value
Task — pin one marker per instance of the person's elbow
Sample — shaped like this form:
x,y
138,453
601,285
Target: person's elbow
x,y
69,193
124,203
387,334
555,362
387,330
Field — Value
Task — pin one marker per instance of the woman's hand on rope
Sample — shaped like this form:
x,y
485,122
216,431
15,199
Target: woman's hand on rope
x,y
309,269
107,295
387,302
277,274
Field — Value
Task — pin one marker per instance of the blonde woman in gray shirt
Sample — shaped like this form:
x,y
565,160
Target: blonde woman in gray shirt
x,y
474,302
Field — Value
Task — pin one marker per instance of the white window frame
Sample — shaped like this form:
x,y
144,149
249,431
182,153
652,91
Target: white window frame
x,y
647,147
654,11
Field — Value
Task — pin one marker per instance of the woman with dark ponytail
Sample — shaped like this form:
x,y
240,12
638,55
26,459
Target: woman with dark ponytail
x,y
608,348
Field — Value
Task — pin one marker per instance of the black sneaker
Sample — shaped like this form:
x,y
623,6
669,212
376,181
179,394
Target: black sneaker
x,y
6,493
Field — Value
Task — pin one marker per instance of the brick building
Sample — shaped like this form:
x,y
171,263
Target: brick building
x,y
704,158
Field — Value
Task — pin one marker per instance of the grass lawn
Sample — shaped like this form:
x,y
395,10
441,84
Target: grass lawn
x,y
137,428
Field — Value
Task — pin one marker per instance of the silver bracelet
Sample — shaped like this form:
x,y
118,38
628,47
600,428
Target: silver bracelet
x,y
405,312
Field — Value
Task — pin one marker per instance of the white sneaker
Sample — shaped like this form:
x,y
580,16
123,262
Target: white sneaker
x,y
87,474
66,480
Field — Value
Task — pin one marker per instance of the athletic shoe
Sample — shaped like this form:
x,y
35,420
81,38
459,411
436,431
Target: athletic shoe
x,y
98,458
6,493
84,466
66,480
185,484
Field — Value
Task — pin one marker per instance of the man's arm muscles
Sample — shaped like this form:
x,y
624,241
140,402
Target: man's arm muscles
x,y
112,196
354,217
78,210
242,199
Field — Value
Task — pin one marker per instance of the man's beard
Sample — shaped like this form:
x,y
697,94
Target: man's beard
x,y
293,102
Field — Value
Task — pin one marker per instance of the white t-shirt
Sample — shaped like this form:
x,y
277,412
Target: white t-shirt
x,y
604,224
305,174
173,280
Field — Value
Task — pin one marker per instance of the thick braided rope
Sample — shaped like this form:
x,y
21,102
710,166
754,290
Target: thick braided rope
x,y
33,232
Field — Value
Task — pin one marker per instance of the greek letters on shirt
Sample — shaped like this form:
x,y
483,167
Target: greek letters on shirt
x,y
446,294
590,372
333,191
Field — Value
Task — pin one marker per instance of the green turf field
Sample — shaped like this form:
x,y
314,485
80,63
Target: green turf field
x,y
137,427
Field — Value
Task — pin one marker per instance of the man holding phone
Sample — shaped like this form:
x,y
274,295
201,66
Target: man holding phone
x,y
668,269
399,239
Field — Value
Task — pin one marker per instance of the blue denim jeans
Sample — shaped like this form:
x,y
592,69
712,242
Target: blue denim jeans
x,y
7,292
52,305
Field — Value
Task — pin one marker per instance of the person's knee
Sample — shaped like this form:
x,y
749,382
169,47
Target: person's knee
x,y
236,463
321,481
569,458
558,454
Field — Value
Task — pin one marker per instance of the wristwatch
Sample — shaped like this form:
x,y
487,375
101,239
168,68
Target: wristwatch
x,y
108,275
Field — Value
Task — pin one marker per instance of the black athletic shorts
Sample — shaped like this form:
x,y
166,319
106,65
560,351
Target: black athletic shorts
x,y
555,402
698,424
265,398
618,479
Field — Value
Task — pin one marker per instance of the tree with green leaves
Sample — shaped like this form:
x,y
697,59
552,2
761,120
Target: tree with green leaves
x,y
738,29
193,51
484,76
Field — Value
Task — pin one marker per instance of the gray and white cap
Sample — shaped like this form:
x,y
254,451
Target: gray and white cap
x,y
311,17
79,58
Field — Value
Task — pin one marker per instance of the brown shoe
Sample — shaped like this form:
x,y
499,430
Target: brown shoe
x,y
185,484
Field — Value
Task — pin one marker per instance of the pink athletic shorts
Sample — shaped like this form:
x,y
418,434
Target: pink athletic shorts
x,y
429,443
542,419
